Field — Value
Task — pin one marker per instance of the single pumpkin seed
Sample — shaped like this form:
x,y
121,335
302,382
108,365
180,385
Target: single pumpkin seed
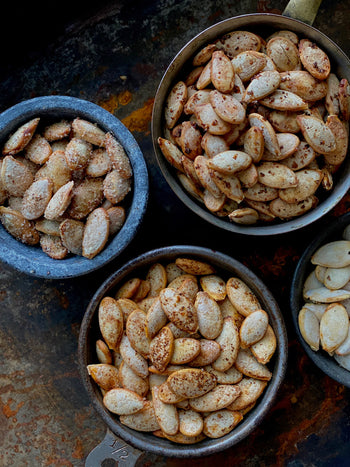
x,y
209,352
314,59
88,131
179,310
235,42
57,131
174,104
53,246
18,226
96,233
228,340
38,150
249,366
264,349
284,210
191,423
143,420
105,375
248,63
308,183
210,121
251,390
270,138
16,177
214,286
191,382
253,328
185,350
334,327
210,320
222,72
334,254
161,349
283,53
263,84
20,138
303,84
36,198
111,322
221,423
325,295
132,358
309,328
123,401
317,134
227,107
59,201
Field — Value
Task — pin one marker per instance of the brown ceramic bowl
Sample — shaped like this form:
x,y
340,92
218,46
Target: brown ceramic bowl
x,y
31,259
263,25
226,267
304,267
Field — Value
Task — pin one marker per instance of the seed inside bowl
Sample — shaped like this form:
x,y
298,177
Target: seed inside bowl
x,y
63,185
182,353
324,317
253,113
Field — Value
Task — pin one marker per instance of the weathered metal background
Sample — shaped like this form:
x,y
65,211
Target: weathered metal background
x,y
114,54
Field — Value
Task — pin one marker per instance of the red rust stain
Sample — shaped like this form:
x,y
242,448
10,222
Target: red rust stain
x,y
2,295
140,119
64,302
278,265
78,452
50,461
285,403
287,442
342,207
8,412
213,17
125,97
81,418
263,7
113,102
110,104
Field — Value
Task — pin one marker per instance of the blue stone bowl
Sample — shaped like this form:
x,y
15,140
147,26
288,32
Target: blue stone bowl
x,y
31,259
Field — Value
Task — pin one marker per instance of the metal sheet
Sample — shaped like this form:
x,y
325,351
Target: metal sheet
x,y
114,55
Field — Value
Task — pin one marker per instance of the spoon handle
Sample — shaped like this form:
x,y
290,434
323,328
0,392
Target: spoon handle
x,y
302,10
113,448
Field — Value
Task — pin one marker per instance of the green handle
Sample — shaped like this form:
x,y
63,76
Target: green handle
x,y
303,10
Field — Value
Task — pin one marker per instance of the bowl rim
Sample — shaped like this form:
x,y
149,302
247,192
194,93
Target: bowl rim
x,y
146,441
174,68
321,359
30,259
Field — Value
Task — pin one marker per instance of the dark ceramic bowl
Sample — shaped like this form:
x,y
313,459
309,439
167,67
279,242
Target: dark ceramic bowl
x,y
226,267
31,259
263,24
321,358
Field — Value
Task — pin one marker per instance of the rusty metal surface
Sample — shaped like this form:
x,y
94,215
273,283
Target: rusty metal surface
x,y
114,55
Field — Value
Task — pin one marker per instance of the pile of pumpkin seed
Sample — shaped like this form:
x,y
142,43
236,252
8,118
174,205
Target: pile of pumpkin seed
x,y
61,186
183,353
324,318
258,128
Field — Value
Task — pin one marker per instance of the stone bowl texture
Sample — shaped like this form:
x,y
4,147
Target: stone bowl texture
x,y
31,259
